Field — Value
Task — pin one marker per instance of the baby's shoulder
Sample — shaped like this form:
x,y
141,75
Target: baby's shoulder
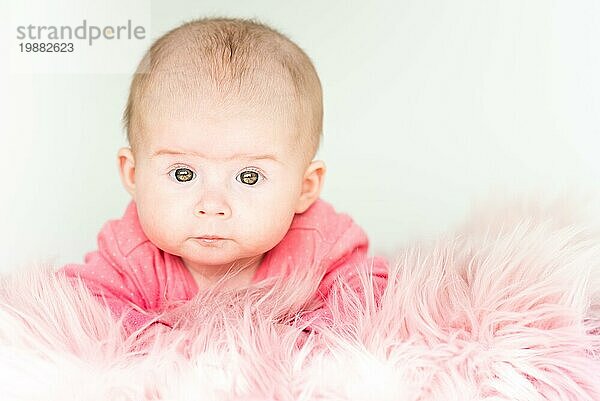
x,y
322,216
125,234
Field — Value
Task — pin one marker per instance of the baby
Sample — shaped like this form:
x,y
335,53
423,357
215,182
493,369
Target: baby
x,y
224,118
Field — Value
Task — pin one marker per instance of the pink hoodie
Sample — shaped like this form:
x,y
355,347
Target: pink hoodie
x,y
130,271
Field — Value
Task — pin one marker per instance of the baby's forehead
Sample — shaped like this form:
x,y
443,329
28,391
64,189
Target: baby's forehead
x,y
229,140
218,118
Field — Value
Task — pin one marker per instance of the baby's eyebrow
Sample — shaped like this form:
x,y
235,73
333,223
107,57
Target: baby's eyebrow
x,y
239,156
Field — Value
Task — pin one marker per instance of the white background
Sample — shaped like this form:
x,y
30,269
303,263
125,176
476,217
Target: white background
x,y
430,106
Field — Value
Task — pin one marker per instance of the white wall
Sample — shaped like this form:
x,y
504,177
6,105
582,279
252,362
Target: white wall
x,y
429,106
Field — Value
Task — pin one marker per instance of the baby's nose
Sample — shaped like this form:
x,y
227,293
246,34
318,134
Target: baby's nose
x,y
218,210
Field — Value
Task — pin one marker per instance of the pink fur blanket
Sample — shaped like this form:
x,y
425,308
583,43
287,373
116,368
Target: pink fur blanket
x,y
505,308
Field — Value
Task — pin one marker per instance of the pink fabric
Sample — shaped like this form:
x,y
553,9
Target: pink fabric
x,y
136,277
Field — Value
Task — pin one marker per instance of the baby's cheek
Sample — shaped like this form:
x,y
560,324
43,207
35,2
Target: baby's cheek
x,y
276,232
159,233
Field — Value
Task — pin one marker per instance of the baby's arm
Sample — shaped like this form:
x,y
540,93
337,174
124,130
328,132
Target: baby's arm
x,y
113,285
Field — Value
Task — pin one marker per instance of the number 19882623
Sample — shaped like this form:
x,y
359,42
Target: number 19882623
x,y
35,47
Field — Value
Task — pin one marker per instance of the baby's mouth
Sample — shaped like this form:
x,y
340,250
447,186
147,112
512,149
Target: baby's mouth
x,y
210,239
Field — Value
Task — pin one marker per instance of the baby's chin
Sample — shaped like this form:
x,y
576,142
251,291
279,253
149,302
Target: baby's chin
x,y
216,252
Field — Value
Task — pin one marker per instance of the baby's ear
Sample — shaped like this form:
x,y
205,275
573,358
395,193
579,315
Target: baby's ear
x,y
312,184
126,165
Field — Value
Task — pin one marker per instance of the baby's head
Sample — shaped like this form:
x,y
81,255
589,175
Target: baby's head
x,y
224,118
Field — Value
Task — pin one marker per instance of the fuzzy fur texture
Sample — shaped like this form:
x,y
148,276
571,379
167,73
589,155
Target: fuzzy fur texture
x,y
505,308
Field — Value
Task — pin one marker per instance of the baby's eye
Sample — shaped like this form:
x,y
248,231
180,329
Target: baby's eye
x,y
182,174
249,177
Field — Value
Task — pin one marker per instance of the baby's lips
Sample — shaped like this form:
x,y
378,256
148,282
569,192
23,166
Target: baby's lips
x,y
209,237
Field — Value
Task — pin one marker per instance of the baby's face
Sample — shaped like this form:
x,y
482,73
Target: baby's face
x,y
230,173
